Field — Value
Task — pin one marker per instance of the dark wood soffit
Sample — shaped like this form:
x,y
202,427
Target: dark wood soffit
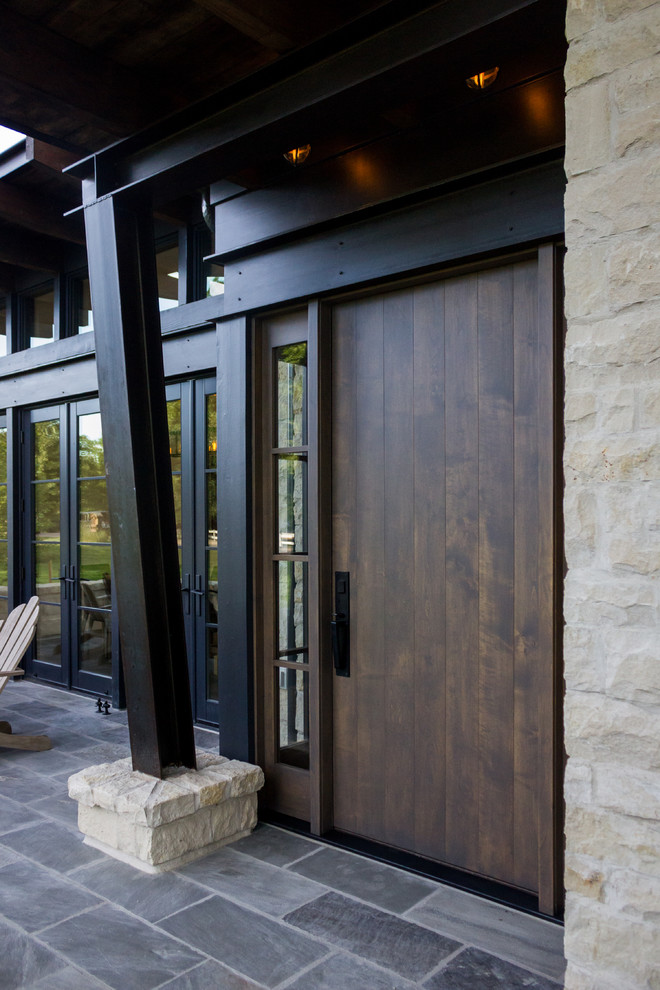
x,y
39,214
33,251
191,148
36,64
485,134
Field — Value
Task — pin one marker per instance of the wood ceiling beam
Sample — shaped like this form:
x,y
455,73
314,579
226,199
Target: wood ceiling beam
x,y
38,64
38,214
270,24
32,251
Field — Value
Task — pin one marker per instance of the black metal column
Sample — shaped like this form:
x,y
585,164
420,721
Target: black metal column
x,y
146,586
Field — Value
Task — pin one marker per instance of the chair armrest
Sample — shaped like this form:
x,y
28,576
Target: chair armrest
x,y
12,673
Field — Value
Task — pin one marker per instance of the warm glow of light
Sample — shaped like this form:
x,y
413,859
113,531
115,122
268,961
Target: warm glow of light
x,y
538,103
213,446
362,170
298,155
482,80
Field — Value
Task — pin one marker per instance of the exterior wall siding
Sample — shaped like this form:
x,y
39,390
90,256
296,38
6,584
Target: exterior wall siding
x,y
612,495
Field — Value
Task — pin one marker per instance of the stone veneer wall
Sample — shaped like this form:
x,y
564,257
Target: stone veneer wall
x,y
612,500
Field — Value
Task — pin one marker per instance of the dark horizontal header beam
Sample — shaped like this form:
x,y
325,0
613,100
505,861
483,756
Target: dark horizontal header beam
x,y
209,142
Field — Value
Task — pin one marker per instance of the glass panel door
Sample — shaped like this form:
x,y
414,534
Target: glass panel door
x,y
48,570
68,559
91,552
193,452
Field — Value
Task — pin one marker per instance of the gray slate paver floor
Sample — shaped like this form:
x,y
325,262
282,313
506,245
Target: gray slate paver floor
x,y
274,910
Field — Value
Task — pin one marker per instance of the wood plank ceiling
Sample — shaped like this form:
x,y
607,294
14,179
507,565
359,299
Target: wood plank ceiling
x,y
78,75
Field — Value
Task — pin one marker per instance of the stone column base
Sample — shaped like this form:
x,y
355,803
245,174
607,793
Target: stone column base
x,y
157,825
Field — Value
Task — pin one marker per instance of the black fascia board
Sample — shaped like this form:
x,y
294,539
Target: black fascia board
x,y
209,140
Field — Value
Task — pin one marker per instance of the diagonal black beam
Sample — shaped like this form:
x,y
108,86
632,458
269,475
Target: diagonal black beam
x,y
135,438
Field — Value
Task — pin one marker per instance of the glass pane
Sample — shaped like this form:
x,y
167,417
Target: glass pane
x,y
95,630
47,571
90,446
291,392
174,426
3,453
3,329
176,486
49,640
167,267
94,576
211,510
47,511
211,431
3,512
292,503
84,321
212,585
94,516
46,437
3,570
293,716
39,312
292,605
4,609
212,664
215,280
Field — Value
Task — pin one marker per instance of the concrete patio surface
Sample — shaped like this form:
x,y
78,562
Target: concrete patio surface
x,y
275,909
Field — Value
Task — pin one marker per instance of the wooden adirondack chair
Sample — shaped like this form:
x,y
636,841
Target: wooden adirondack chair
x,y
15,636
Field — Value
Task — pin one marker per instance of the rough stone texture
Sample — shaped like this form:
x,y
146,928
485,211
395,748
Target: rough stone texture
x,y
163,823
612,496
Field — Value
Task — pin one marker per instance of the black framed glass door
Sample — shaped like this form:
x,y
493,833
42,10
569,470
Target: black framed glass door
x,y
193,450
67,550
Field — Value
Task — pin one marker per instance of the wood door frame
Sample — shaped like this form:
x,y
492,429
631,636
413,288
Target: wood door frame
x,y
320,796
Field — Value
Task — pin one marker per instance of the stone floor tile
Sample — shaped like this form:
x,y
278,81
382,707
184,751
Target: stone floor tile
x,y
32,708
52,845
33,898
252,882
211,976
255,946
374,882
521,938
393,943
274,845
68,978
473,968
207,740
23,785
150,896
342,972
13,816
52,760
59,807
119,949
23,960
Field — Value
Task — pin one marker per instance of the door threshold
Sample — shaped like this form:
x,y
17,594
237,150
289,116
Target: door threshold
x,y
491,890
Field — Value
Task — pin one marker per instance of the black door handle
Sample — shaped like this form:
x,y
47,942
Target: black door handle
x,y
340,626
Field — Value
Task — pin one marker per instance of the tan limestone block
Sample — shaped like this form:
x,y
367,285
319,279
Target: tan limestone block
x,y
584,659
633,894
588,129
245,778
633,269
581,525
604,730
581,16
577,978
580,406
586,278
613,46
616,946
177,838
232,817
635,676
628,791
578,783
583,875
613,838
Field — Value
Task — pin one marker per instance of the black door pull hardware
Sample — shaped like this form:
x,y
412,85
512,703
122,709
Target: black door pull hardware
x,y
340,626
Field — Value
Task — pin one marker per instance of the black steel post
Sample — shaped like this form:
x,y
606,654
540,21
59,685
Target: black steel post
x,y
146,586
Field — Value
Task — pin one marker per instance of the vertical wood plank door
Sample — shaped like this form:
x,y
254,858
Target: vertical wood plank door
x,y
442,435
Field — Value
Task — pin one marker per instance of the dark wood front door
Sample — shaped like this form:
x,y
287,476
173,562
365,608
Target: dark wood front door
x,y
442,488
